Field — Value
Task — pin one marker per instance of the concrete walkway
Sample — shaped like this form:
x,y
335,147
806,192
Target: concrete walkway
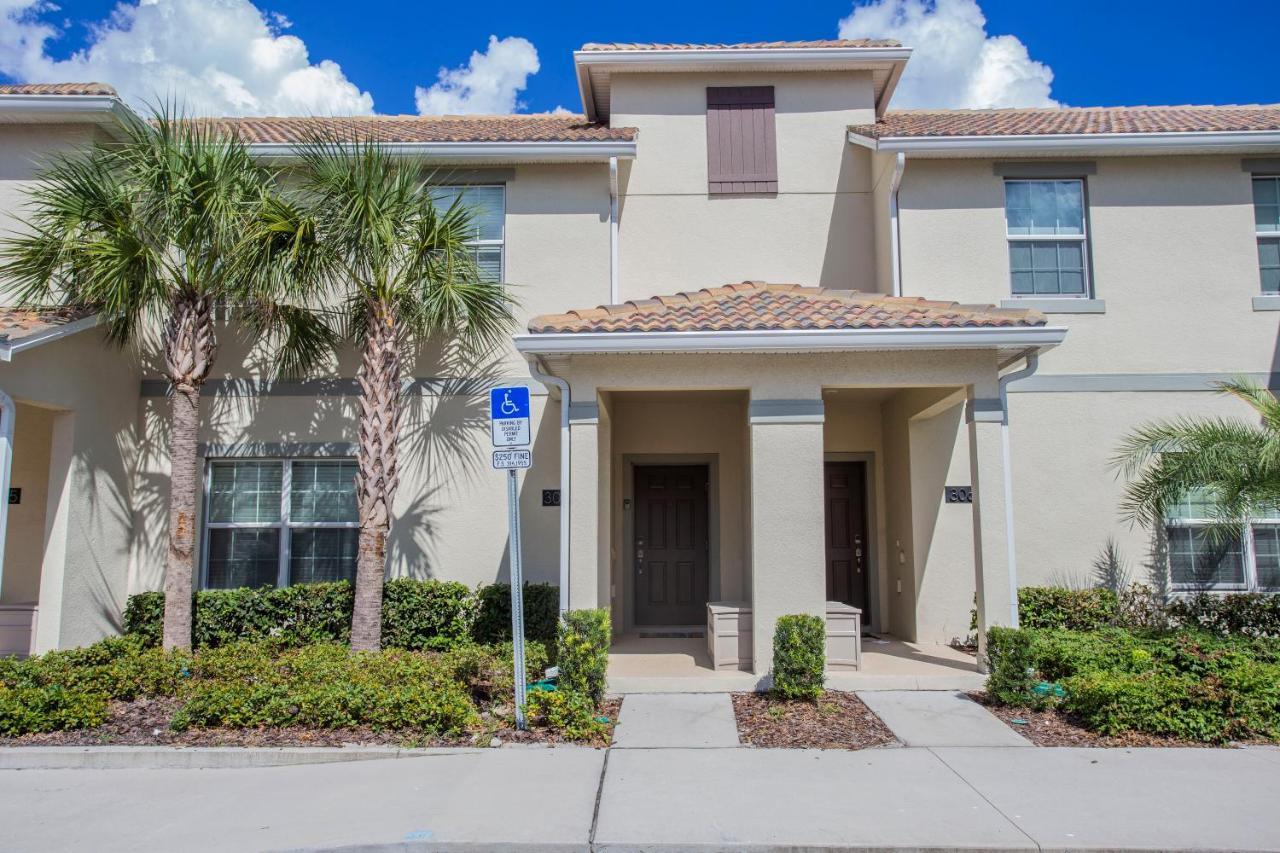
x,y
659,799
939,718
680,720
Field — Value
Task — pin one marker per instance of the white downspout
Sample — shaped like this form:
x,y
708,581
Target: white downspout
x,y
539,373
899,166
1033,361
613,231
8,411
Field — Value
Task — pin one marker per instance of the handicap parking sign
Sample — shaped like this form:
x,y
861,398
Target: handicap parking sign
x,y
509,416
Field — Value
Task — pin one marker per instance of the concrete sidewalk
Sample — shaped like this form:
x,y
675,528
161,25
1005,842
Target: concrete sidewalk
x,y
709,798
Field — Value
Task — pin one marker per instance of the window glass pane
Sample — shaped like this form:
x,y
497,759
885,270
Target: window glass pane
x,y
1046,282
1196,503
322,554
1044,256
1071,256
1269,263
489,260
1071,282
1266,190
1020,256
1198,561
245,492
1070,208
1044,207
1023,283
323,490
484,203
243,557
1266,555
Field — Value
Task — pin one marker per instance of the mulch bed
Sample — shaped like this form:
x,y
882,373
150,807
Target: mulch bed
x,y
145,722
1059,728
836,721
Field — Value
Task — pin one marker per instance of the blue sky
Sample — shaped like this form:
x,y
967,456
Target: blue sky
x,y
372,55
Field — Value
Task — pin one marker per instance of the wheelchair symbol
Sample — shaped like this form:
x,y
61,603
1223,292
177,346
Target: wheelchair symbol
x,y
508,407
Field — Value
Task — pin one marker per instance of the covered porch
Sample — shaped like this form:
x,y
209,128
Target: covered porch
x,y
746,452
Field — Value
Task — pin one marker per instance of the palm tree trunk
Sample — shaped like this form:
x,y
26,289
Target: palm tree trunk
x,y
189,350
377,473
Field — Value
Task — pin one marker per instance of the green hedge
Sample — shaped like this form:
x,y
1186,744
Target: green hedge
x,y
1248,614
416,614
1193,686
799,656
1073,609
582,653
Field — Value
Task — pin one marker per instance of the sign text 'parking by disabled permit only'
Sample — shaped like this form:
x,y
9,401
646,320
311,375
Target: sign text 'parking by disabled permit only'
x,y
509,423
509,416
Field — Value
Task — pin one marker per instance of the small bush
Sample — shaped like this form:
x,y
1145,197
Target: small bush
x,y
541,613
799,657
572,714
1073,609
1247,614
48,709
426,615
582,652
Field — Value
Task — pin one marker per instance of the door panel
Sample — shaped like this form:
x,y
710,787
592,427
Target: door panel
x,y
844,492
671,555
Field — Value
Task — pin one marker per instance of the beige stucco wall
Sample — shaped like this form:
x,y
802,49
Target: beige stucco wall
x,y
817,229
90,393
25,529
24,149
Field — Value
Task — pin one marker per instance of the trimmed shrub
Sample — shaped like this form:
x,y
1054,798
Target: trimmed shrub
x,y
541,613
799,656
1249,614
1073,609
570,713
582,653
426,615
49,709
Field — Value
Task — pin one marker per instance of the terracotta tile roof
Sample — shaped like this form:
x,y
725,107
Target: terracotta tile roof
x,y
18,323
755,305
1072,120
751,45
56,89
470,128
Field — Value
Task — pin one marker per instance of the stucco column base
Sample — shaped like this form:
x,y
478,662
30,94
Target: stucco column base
x,y
991,558
788,572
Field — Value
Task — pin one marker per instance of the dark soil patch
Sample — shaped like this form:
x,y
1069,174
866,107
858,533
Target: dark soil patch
x,y
145,722
1058,728
836,721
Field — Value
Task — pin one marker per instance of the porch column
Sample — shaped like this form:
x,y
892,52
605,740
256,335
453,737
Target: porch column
x,y
586,539
992,518
788,556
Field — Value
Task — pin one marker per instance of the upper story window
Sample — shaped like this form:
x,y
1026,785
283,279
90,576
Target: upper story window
x,y
1266,219
1048,251
488,206
1199,561
276,522
742,154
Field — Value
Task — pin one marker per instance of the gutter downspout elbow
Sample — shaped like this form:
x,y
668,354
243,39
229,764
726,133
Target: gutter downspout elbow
x,y
8,411
540,372
1032,362
613,231
895,241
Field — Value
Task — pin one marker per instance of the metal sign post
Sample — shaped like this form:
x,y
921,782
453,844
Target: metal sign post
x,y
509,420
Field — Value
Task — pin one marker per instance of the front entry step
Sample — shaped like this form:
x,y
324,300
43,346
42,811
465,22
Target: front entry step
x,y
680,720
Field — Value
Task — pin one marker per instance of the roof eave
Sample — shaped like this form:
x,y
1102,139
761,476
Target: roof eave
x,y
106,110
1118,142
589,151
9,348
1039,338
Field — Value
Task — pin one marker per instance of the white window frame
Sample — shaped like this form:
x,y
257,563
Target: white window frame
x,y
285,525
1082,238
501,244
1250,582
1264,235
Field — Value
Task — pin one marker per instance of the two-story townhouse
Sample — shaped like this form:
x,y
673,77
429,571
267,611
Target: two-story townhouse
x,y
897,354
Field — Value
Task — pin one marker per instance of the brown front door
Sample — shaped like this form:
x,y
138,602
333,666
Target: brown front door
x,y
671,548
845,496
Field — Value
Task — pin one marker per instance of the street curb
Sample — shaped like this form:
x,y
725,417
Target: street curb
x,y
200,757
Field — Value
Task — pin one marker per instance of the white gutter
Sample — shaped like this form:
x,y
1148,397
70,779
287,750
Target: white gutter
x,y
1072,141
479,152
546,378
613,231
8,411
895,255
106,110
9,348
795,340
1033,361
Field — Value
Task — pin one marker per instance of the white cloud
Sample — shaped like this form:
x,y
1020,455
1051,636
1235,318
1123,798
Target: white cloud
x,y
216,57
490,82
955,62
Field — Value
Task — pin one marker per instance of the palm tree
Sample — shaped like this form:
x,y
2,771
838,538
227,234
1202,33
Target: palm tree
x,y
147,232
362,229
1236,462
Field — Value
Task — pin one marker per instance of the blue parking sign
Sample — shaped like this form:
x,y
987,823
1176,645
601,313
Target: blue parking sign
x,y
509,416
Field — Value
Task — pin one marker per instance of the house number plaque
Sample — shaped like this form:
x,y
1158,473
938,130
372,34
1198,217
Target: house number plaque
x,y
959,494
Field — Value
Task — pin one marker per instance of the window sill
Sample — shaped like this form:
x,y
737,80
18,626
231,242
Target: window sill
x,y
1269,302
1061,306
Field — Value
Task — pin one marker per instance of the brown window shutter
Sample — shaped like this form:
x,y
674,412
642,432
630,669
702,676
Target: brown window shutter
x,y
742,154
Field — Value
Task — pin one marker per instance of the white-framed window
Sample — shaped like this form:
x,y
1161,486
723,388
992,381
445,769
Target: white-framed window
x,y
1266,219
488,206
1048,243
1198,561
276,522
